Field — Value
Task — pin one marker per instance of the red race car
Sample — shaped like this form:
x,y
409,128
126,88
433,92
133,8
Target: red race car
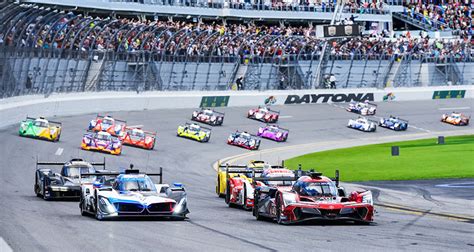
x,y
264,114
139,138
113,126
311,197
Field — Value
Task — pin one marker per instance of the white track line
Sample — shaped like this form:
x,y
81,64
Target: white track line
x,y
287,116
418,128
454,109
59,151
4,247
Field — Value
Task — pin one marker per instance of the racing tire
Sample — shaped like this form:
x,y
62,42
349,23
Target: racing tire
x,y
81,206
278,209
244,206
218,188
37,191
44,189
227,193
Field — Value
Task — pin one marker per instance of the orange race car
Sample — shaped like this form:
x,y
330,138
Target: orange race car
x,y
138,138
458,119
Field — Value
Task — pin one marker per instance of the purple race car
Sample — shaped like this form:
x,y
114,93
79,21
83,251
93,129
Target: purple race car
x,y
273,132
101,141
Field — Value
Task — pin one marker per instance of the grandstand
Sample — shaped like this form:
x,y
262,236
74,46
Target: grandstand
x,y
142,45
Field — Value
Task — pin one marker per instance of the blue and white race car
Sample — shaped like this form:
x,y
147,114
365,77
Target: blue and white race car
x,y
362,124
363,108
393,123
133,194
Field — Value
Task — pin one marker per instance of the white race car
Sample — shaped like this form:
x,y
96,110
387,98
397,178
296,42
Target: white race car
x,y
363,108
362,124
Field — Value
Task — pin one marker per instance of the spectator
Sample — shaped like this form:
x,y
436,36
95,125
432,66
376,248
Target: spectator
x,y
332,81
239,82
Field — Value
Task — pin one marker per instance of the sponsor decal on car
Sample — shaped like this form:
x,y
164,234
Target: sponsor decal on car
x,y
325,98
214,101
449,94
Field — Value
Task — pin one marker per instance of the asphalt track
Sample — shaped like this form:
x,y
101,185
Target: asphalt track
x,y
31,224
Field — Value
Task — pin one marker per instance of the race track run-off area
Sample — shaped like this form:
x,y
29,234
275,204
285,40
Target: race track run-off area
x,y
29,223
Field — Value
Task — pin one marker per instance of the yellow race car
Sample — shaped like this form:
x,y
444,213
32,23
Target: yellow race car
x,y
195,132
225,171
40,128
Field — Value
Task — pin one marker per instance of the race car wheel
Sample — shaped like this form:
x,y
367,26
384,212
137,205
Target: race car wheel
x,y
245,198
81,206
37,191
227,193
278,209
57,139
218,187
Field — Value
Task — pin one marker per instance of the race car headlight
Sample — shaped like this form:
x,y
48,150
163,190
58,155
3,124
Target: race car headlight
x,y
195,113
289,198
279,134
180,207
86,140
58,188
105,205
116,145
213,118
252,142
52,131
367,199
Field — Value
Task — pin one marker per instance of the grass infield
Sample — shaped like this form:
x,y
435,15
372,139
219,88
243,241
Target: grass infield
x,y
419,159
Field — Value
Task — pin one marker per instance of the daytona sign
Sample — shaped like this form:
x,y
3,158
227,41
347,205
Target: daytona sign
x,y
325,98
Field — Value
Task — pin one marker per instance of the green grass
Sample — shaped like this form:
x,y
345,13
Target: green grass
x,y
419,159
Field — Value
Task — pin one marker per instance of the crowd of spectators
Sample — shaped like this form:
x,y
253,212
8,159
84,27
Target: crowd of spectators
x,y
190,40
442,15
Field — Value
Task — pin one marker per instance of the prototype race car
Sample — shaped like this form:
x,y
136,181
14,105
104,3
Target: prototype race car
x,y
240,188
363,108
394,123
273,132
458,119
64,185
133,194
101,141
245,140
362,124
40,128
311,197
139,138
113,126
208,116
222,175
195,132
264,114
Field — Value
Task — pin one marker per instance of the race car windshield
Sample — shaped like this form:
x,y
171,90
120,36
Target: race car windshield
x,y
208,113
194,128
136,184
137,134
103,137
318,189
41,124
76,171
107,121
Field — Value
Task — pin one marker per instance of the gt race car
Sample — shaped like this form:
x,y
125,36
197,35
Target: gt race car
x,y
458,119
240,188
40,128
394,123
264,114
311,197
221,185
363,108
194,131
137,137
63,185
101,141
244,140
362,124
115,127
273,132
133,194
208,116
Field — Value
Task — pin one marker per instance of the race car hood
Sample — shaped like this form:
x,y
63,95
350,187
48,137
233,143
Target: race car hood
x,y
144,198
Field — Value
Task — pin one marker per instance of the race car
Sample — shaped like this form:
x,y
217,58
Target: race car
x,y
113,126
63,185
222,175
273,132
138,138
208,116
195,132
101,141
363,108
133,194
240,188
244,139
264,114
311,197
40,128
362,124
394,123
458,119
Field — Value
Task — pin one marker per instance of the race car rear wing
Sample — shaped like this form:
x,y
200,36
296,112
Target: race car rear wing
x,y
117,120
63,163
237,131
214,111
261,179
241,170
202,127
129,128
287,130
50,122
270,110
400,119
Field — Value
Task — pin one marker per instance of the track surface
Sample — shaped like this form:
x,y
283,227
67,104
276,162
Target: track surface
x,y
30,224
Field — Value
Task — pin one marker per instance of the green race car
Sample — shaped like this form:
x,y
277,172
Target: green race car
x,y
40,128
194,131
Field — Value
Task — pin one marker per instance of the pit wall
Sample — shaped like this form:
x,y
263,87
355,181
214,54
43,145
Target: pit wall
x,y
13,110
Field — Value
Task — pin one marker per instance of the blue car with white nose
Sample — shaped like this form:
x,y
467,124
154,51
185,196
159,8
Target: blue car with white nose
x,y
394,123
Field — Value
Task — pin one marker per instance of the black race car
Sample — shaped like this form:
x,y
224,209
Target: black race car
x,y
208,116
64,185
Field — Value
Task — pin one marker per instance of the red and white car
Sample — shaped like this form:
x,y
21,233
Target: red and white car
x,y
114,127
139,138
208,116
264,114
311,197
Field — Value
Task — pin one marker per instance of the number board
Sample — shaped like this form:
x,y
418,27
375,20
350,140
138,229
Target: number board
x,y
449,94
214,101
